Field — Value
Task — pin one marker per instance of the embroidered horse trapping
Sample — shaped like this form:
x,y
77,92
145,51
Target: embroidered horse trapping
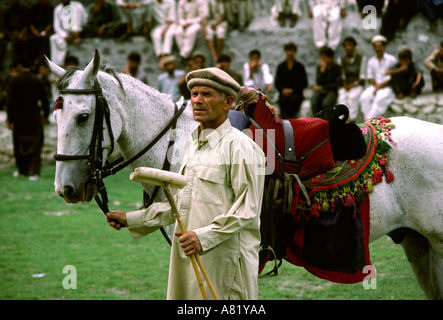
x,y
330,237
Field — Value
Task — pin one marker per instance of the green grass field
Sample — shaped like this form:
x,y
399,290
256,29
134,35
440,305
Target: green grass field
x,y
40,234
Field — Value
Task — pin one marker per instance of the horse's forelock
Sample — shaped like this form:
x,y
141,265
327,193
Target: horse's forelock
x,y
63,81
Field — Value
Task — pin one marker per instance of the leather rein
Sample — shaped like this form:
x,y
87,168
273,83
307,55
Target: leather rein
x,y
95,155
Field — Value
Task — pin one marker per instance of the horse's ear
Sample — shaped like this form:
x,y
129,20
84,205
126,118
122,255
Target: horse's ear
x,y
55,69
92,68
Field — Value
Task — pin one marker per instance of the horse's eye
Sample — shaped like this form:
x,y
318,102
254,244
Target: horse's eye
x,y
82,118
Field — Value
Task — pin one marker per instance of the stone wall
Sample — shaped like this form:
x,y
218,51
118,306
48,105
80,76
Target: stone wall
x,y
264,34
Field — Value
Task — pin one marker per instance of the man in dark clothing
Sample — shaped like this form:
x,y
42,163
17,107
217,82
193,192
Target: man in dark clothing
x,y
290,81
328,81
27,102
103,21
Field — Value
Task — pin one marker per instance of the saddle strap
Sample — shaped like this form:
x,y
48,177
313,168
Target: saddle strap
x,y
289,141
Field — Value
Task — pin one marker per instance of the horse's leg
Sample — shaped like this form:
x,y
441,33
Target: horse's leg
x,y
426,264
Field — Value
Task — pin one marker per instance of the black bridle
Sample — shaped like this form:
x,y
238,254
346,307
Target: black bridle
x,y
95,155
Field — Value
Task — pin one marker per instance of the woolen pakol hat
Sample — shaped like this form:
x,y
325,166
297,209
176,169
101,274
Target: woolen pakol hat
x,y
215,78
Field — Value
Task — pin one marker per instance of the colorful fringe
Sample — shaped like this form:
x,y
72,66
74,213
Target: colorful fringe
x,y
348,183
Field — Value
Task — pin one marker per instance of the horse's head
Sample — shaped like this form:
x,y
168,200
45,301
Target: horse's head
x,y
75,114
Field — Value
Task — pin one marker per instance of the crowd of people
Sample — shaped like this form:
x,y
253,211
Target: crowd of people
x,y
367,84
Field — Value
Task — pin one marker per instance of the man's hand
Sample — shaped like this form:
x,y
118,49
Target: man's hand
x,y
189,242
116,219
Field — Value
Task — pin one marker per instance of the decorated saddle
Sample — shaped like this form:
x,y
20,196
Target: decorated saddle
x,y
316,213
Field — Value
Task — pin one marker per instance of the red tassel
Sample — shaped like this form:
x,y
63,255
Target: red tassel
x,y
377,176
389,176
350,201
314,211
277,119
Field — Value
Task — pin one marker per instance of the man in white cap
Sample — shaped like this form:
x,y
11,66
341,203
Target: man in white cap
x,y
221,203
377,97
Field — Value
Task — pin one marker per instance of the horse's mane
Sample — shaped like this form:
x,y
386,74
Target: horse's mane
x,y
65,79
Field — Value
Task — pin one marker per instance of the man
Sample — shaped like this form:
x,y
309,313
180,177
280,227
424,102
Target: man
x,y
69,19
377,97
162,34
327,83
167,81
215,27
103,20
326,21
353,63
134,15
287,9
257,73
290,81
133,67
224,62
190,16
27,103
221,203
406,76
434,63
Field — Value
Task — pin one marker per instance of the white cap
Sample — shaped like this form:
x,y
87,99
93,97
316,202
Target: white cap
x,y
379,38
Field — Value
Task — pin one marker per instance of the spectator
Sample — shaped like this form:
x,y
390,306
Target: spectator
x,y
397,16
134,15
406,76
25,119
133,67
167,81
224,63
44,73
215,26
326,21
196,62
432,9
290,81
69,19
353,65
257,74
15,26
327,82
190,17
103,20
434,63
288,9
162,34
239,13
377,97
40,18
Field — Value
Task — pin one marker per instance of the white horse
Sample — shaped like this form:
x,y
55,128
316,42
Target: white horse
x,y
410,208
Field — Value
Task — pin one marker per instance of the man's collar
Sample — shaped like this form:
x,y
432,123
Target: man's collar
x,y
214,135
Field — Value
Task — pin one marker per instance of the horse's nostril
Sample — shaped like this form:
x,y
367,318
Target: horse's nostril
x,y
68,191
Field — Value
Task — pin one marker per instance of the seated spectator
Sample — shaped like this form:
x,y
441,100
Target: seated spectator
x,y
167,81
190,16
224,63
327,22
134,15
353,64
239,13
327,81
103,20
162,34
432,9
406,76
434,63
66,33
215,27
397,17
288,9
290,81
40,18
196,62
377,97
133,67
257,74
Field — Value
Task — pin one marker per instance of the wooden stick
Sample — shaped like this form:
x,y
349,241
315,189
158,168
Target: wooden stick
x,y
194,257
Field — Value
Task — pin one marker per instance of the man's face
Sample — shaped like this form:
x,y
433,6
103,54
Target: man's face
x,y
379,48
349,48
209,108
290,54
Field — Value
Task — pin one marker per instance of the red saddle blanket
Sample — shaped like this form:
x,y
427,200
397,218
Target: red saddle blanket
x,y
329,236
